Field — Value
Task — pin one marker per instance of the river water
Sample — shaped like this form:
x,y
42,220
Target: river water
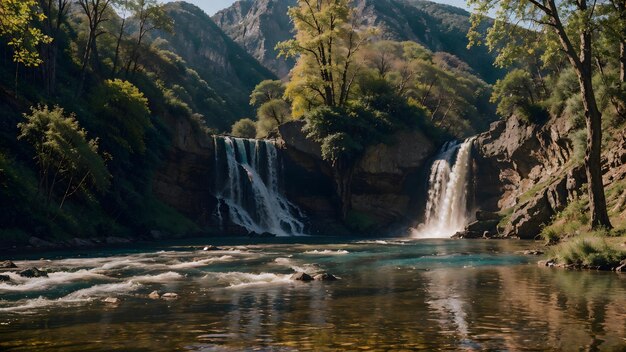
x,y
447,295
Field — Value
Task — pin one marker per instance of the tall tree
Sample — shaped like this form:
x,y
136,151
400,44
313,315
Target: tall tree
x,y
18,20
150,15
94,11
56,14
326,42
122,7
567,25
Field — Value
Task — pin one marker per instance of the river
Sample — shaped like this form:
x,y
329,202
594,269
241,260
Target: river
x,y
392,295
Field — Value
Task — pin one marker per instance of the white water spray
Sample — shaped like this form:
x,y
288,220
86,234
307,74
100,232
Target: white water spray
x,y
251,191
446,209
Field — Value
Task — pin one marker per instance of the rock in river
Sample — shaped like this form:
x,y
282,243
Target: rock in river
x,y
325,277
33,272
170,296
301,277
5,278
154,295
7,264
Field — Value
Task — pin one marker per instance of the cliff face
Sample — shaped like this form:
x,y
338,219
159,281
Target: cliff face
x,y
385,187
529,171
184,181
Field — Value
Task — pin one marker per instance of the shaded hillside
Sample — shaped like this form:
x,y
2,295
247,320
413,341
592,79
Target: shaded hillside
x,y
258,25
228,70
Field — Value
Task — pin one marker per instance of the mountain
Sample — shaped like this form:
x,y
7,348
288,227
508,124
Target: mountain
x,y
228,70
257,25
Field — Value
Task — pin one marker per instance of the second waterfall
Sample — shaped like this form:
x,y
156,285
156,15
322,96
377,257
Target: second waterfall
x,y
247,185
446,210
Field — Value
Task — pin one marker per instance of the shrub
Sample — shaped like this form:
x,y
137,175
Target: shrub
x,y
589,250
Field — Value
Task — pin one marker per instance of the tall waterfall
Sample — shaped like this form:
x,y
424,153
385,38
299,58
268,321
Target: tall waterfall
x,y
247,183
446,209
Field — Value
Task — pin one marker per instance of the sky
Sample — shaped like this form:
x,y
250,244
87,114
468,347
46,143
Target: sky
x,y
212,6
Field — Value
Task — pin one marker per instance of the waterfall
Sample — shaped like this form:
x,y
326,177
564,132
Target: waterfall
x,y
248,185
446,210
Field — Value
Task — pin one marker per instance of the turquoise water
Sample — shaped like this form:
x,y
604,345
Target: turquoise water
x,y
393,295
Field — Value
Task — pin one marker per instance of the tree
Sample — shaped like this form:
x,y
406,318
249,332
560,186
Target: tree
x,y
17,25
326,42
150,15
567,25
265,91
56,14
122,7
123,116
272,114
66,158
515,92
94,11
244,128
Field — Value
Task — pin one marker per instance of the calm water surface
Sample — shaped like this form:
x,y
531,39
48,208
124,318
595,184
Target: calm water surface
x,y
393,295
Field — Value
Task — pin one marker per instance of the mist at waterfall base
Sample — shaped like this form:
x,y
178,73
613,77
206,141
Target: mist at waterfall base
x,y
249,188
446,210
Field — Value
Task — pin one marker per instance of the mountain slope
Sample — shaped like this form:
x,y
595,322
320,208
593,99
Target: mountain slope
x,y
258,25
228,70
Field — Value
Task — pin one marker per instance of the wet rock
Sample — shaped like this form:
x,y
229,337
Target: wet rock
x,y
301,277
7,264
154,295
211,248
33,272
5,278
621,268
80,242
533,252
111,300
549,263
482,215
325,277
170,296
482,226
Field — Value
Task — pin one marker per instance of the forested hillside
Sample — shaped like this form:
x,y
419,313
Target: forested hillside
x,y
258,25
89,92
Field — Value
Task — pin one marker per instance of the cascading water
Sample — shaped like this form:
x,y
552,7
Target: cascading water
x,y
446,209
248,186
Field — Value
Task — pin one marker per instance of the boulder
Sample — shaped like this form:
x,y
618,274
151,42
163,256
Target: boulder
x,y
527,221
154,295
33,272
111,300
482,226
301,277
482,215
116,240
621,268
169,296
325,277
5,278
7,264
532,252
211,248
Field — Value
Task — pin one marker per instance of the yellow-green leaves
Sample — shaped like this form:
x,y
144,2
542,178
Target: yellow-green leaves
x,y
17,25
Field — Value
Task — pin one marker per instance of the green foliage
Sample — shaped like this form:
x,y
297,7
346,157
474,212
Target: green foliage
x,y
18,19
590,250
515,92
267,90
244,128
66,158
344,133
123,114
270,115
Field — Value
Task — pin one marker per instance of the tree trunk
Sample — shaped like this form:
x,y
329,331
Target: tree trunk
x,y
593,117
343,180
622,61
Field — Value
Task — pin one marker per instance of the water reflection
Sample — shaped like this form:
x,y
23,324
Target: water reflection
x,y
445,295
